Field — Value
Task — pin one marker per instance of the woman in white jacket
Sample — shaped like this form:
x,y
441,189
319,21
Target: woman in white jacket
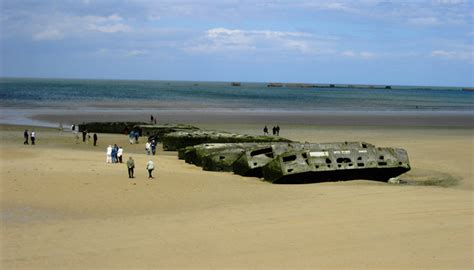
x,y
150,167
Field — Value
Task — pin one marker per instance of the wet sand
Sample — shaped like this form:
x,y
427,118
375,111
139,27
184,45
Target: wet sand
x,y
62,207
237,117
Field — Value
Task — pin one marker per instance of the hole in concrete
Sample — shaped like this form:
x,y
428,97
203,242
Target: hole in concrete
x,y
328,161
360,164
221,157
381,157
359,158
382,163
289,158
289,170
343,160
261,151
304,155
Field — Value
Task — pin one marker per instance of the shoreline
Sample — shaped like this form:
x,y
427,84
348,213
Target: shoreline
x,y
52,117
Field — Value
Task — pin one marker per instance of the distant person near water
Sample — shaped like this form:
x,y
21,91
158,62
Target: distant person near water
x,y
84,133
277,129
33,137
274,130
130,166
151,119
265,130
25,135
95,139
150,166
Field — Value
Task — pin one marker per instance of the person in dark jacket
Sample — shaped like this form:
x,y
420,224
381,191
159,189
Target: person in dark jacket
x,y
95,139
25,135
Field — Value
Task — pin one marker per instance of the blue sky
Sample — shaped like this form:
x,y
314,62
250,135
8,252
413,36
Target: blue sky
x,y
415,42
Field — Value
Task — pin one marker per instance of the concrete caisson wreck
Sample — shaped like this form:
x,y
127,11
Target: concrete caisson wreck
x,y
362,161
251,162
182,139
279,162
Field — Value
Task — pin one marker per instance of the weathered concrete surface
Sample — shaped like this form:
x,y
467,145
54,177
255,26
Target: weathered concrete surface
x,y
252,161
109,127
196,154
181,139
337,163
156,132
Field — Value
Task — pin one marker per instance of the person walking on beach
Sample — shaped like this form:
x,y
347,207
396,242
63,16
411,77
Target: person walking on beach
x,y
274,130
265,130
95,139
119,154
136,134
151,119
84,133
25,135
114,153
33,137
130,166
131,137
109,154
153,147
277,129
150,166
148,148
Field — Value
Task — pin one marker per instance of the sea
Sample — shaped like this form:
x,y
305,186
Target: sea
x,y
17,94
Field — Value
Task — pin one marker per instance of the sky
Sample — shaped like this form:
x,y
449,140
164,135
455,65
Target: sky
x,y
411,42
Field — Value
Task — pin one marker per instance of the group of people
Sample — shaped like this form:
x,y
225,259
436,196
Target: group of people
x,y
150,147
133,136
275,130
86,134
150,166
28,136
114,154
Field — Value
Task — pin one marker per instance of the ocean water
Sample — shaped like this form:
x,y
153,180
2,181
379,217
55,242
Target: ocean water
x,y
128,94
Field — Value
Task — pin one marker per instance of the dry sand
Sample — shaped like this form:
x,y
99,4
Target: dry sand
x,y
63,207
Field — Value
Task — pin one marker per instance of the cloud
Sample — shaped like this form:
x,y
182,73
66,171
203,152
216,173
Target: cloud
x,y
358,55
60,26
453,55
424,21
110,28
217,40
50,34
134,53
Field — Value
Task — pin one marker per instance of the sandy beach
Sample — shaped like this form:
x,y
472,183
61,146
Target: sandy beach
x,y
62,207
